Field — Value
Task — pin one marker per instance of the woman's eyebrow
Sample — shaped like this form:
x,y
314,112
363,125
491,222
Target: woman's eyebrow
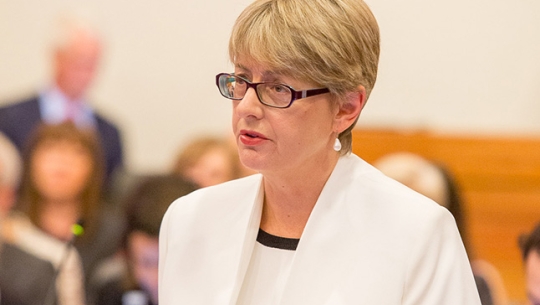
x,y
240,66
267,75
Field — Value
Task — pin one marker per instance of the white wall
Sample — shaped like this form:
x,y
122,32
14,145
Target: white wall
x,y
456,66
462,65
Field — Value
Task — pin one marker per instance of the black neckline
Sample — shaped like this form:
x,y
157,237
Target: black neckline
x,y
273,241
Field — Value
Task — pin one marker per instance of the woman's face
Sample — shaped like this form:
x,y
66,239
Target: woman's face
x,y
60,169
144,256
272,139
213,167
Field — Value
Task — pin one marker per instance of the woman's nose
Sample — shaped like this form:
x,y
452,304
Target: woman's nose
x,y
249,105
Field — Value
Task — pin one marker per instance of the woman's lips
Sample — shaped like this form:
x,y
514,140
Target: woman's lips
x,y
251,138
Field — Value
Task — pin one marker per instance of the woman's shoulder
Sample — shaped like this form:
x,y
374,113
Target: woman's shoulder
x,y
230,189
383,197
211,211
225,197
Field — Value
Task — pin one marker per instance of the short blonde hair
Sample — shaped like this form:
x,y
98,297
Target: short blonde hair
x,y
334,44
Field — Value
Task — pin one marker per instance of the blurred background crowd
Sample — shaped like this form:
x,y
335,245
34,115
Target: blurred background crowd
x,y
80,210
77,226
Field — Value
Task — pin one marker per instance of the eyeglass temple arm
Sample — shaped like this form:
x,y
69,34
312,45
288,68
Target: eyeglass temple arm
x,y
310,92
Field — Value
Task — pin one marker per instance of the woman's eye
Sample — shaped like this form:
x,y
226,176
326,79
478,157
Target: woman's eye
x,y
279,88
240,81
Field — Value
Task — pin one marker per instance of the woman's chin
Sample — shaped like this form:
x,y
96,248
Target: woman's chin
x,y
252,160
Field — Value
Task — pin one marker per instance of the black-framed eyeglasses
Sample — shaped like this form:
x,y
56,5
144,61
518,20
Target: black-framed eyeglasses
x,y
270,94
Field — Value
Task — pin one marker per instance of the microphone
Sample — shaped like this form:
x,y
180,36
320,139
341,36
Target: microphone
x,y
77,230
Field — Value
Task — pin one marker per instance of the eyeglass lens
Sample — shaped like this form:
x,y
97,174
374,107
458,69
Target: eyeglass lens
x,y
272,94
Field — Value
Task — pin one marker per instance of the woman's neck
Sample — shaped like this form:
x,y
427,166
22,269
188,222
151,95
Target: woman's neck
x,y
57,218
289,199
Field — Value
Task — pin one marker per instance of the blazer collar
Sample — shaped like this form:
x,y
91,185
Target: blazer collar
x,y
322,247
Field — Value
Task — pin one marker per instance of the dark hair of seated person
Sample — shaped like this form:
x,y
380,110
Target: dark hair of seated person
x,y
145,207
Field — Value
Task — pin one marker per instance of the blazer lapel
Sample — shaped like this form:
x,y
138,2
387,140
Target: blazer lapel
x,y
249,230
215,265
322,259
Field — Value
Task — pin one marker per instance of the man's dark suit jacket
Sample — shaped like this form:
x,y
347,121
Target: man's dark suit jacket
x,y
18,120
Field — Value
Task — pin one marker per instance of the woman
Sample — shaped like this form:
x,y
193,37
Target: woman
x,y
317,225
145,207
435,181
208,161
60,187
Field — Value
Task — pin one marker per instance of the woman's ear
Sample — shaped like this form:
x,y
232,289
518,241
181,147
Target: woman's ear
x,y
349,110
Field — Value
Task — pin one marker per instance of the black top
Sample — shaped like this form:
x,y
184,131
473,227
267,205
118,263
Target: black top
x,y
278,242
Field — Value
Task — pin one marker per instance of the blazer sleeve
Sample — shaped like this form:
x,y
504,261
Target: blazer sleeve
x,y
438,270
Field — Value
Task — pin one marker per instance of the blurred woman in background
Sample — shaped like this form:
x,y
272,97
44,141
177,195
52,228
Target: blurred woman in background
x,y
434,180
207,161
61,187
144,208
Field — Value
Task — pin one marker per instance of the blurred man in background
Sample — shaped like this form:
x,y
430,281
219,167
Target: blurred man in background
x,y
75,57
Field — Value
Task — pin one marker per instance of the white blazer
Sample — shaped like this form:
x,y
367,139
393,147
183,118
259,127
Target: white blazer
x,y
369,240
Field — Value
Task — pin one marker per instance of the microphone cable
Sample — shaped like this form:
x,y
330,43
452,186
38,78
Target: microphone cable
x,y
77,230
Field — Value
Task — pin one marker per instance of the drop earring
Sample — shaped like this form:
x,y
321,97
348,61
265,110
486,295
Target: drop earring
x,y
337,145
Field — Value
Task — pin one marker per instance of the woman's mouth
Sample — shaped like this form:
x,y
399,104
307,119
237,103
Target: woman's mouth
x,y
251,138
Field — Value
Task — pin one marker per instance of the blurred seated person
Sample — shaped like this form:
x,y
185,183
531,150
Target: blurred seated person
x,y
60,187
36,268
530,251
24,278
208,161
10,172
145,207
433,180
75,57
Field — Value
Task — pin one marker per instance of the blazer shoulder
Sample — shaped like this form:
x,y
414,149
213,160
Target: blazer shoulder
x,y
391,202
225,198
228,191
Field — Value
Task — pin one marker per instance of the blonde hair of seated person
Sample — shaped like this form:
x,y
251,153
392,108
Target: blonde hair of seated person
x,y
207,161
435,181
427,178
